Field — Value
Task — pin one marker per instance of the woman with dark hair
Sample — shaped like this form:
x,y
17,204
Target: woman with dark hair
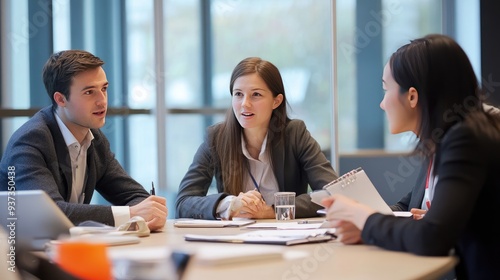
x,y
254,153
414,201
431,90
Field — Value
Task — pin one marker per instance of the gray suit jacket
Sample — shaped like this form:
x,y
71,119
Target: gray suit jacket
x,y
41,159
297,164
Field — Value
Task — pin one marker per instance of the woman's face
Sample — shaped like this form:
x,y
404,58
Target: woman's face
x,y
253,102
400,108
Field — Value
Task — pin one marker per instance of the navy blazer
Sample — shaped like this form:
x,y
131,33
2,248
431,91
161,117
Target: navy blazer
x,y
415,197
41,159
298,163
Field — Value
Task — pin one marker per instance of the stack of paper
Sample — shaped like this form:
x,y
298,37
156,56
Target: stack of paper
x,y
197,223
288,225
277,237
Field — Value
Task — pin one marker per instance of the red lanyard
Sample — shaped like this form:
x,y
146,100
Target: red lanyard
x,y
429,169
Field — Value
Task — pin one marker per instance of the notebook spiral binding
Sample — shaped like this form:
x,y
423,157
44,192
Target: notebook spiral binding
x,y
345,179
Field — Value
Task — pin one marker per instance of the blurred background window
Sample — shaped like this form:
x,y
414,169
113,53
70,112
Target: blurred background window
x,y
169,63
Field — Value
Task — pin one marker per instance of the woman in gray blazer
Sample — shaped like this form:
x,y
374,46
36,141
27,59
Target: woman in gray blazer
x,y
254,153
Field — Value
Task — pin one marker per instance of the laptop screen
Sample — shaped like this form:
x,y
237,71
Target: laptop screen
x,y
32,218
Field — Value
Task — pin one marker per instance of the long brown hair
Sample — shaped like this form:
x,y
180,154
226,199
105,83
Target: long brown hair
x,y
227,142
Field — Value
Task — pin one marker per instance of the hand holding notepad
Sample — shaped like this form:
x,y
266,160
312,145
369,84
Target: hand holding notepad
x,y
355,185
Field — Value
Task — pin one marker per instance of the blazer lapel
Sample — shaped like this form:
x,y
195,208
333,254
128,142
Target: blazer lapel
x,y
278,163
62,154
419,196
90,174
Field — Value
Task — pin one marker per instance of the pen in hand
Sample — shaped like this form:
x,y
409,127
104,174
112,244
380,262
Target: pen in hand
x,y
152,189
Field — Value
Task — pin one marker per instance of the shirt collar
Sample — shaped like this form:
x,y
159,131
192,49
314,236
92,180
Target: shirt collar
x,y
69,138
263,157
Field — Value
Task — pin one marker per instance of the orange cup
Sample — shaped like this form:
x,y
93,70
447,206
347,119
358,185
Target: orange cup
x,y
85,260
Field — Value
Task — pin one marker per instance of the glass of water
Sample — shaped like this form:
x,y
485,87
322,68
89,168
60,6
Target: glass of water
x,y
284,205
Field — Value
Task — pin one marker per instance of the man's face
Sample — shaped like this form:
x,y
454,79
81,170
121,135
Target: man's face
x,y
87,103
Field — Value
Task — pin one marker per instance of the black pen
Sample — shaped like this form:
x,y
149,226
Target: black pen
x,y
152,189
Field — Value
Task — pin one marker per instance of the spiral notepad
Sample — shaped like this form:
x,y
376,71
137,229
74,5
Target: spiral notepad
x,y
356,185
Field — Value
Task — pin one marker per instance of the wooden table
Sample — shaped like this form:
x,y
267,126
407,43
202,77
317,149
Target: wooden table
x,y
331,260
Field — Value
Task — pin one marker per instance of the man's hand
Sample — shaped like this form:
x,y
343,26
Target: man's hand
x,y
154,211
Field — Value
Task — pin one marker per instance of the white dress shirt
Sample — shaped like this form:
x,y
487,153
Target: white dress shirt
x,y
262,172
78,155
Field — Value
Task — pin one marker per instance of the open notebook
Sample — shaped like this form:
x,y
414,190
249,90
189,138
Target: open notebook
x,y
356,185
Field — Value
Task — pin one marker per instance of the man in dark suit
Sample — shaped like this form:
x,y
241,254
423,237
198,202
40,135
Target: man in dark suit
x,y
62,151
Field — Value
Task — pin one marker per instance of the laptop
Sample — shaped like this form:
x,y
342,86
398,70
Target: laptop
x,y
33,218
36,221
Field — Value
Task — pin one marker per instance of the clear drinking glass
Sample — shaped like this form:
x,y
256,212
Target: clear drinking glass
x,y
284,205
